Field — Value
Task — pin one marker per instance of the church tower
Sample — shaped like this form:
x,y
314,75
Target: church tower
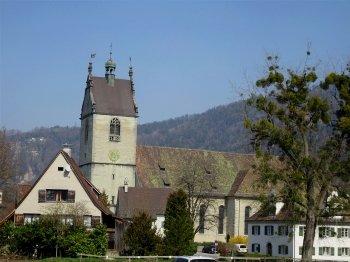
x,y
108,131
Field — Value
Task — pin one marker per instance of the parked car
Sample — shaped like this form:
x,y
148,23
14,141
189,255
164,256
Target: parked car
x,y
195,259
240,248
211,249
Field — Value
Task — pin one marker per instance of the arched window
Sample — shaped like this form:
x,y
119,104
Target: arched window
x,y
221,219
86,136
247,211
201,219
114,130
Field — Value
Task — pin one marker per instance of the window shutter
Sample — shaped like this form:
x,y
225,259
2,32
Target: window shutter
x,y
286,250
41,196
339,233
258,244
279,249
320,251
95,220
339,251
258,230
265,230
332,251
272,229
279,230
19,219
71,196
287,230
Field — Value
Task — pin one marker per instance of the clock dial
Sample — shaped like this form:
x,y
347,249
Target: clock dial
x,y
113,156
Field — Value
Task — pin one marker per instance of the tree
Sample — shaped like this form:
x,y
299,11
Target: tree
x,y
178,225
7,159
294,111
200,186
141,237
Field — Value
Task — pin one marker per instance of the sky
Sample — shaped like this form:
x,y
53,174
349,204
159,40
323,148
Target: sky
x,y
188,56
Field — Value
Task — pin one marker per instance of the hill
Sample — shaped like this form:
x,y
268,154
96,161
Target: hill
x,y
220,128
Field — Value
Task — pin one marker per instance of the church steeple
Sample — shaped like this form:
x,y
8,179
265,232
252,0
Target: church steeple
x,y
110,66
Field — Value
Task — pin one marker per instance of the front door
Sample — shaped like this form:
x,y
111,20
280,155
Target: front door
x,y
269,249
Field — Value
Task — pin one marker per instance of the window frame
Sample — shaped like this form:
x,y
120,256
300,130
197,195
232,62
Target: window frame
x,y
256,230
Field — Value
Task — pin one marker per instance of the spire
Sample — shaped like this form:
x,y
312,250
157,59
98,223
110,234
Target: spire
x,y
131,73
110,66
89,77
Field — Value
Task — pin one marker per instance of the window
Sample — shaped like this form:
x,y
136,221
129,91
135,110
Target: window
x,y
67,220
326,251
60,168
326,232
202,210
112,201
86,135
221,219
113,176
87,221
343,232
256,230
56,195
269,230
343,251
246,216
256,248
283,250
301,250
302,230
114,130
283,230
29,218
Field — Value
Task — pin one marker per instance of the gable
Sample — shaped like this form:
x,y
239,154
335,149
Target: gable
x,y
52,178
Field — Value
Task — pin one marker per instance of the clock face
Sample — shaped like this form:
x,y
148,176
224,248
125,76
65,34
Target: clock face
x,y
113,156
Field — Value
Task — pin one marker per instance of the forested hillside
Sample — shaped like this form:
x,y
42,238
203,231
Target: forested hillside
x,y
220,128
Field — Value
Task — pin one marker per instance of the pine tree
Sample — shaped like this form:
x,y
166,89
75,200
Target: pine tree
x,y
178,225
141,237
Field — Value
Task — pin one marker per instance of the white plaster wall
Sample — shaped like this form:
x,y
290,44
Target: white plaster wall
x,y
159,225
294,241
102,178
211,234
54,179
324,242
239,213
275,240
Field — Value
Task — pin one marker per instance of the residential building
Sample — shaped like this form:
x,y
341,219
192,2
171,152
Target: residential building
x,y
275,234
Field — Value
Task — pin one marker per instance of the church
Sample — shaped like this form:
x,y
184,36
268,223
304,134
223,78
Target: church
x,y
137,177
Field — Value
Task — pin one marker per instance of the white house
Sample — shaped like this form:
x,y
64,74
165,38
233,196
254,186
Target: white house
x,y
275,235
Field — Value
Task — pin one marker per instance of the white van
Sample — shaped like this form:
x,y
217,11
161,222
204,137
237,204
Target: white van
x,y
240,248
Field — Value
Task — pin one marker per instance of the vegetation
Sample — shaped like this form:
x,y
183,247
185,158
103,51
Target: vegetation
x,y
141,237
294,111
178,225
45,237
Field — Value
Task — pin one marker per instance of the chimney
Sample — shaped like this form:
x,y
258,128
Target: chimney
x,y
279,206
66,148
126,186
0,197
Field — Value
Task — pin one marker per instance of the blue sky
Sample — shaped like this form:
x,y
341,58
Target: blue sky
x,y
186,54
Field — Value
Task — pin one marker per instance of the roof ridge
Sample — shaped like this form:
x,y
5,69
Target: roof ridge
x,y
199,149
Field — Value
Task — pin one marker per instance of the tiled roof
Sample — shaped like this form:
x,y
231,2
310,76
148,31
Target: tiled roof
x,y
137,199
162,166
110,100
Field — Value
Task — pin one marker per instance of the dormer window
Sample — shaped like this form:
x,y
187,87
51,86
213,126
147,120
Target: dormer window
x,y
114,130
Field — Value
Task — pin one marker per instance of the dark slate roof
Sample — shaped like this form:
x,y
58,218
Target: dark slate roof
x,y
102,98
137,199
162,166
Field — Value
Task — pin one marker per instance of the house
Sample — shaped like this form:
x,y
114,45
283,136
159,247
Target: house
x,y
134,200
63,190
276,234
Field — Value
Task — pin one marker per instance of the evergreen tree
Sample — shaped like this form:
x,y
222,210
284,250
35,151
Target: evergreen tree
x,y
178,225
141,237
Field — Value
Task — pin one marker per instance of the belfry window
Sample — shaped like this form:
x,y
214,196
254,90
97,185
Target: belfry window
x,y
114,130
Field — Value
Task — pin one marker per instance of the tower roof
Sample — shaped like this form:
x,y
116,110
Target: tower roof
x,y
102,98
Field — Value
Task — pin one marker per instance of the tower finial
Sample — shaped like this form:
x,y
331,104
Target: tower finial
x,y
110,51
130,69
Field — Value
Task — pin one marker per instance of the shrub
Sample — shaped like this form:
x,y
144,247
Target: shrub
x,y
239,240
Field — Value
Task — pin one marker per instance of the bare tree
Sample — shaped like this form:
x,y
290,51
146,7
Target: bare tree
x,y
201,187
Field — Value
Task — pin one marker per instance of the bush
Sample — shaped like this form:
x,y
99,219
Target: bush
x,y
239,240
